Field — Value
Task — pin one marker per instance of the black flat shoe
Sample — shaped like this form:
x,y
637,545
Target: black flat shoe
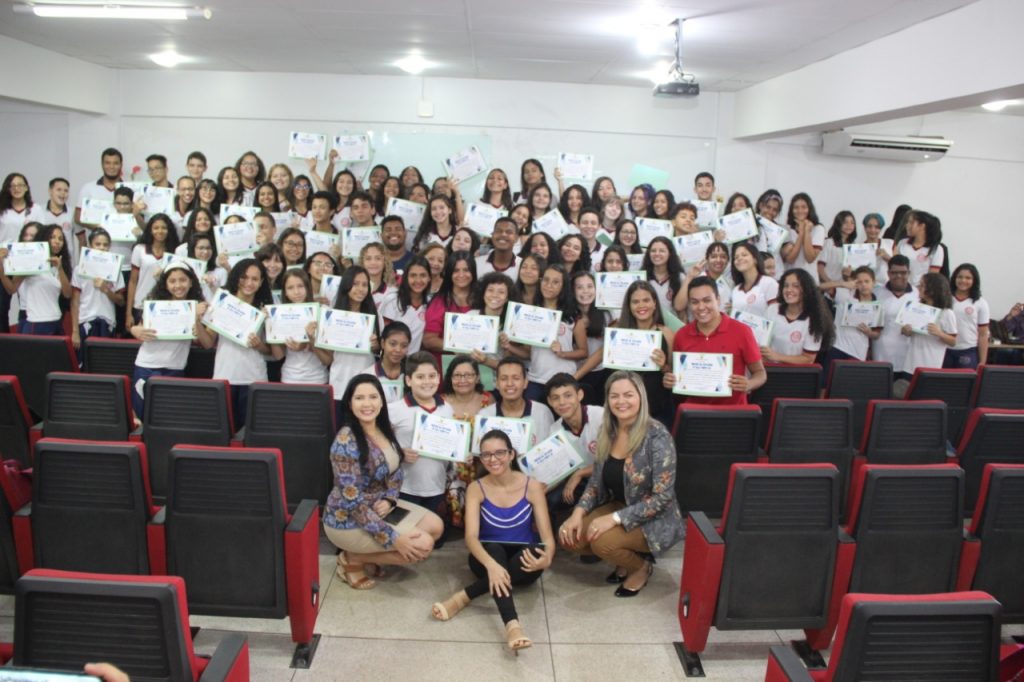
x,y
624,592
589,559
614,578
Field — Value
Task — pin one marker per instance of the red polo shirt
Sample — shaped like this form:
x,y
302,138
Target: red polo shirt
x,y
730,337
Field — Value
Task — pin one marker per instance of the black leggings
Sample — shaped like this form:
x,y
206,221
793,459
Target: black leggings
x,y
508,557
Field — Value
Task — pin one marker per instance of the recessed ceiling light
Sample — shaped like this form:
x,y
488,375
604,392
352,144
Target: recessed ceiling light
x,y
413,64
998,105
167,59
167,12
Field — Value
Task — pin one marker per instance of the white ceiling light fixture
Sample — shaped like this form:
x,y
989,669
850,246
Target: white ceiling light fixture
x,y
999,105
113,11
414,64
168,59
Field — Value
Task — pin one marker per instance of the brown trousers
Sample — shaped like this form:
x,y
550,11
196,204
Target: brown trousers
x,y
616,546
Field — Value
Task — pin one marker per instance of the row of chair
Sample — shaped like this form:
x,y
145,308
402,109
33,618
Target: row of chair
x,y
781,559
225,528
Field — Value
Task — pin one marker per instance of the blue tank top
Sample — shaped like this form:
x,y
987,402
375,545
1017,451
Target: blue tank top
x,y
507,524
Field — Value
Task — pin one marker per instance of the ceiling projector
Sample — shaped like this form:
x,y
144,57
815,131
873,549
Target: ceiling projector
x,y
678,83
678,88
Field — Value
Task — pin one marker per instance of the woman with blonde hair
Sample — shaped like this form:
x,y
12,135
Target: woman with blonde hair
x,y
629,508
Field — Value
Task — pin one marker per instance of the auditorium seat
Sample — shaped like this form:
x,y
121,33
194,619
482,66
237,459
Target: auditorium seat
x,y
230,537
31,358
63,619
859,382
775,561
183,411
953,387
298,420
87,407
90,508
709,440
990,436
110,356
993,553
903,432
15,422
999,386
785,381
200,363
904,638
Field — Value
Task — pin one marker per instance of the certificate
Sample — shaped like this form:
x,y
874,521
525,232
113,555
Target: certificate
x,y
236,239
856,313
320,241
171,320
198,266
120,226
27,258
649,228
518,431
245,212
93,210
233,318
96,264
481,217
393,389
285,219
773,235
553,459
635,262
464,333
739,226
410,212
329,285
353,239
631,349
352,147
918,316
532,325
761,326
344,331
553,224
289,321
158,199
576,166
465,163
439,437
702,374
707,214
307,146
137,188
693,248
856,255
611,288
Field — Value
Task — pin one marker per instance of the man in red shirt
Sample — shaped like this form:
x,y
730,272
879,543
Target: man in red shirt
x,y
713,332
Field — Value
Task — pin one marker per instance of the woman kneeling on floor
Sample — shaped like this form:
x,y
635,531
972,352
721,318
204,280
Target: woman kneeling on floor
x,y
363,516
501,510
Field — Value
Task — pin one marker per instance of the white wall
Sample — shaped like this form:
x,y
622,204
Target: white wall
x,y
223,114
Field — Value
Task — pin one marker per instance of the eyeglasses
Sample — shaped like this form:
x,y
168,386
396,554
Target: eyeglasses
x,y
18,185
495,454
294,243
249,164
322,264
303,186
464,377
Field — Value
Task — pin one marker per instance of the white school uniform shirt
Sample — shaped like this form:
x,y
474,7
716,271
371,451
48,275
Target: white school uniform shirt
x,y
586,440
971,316
239,365
850,340
664,292
544,364
40,297
163,354
302,367
344,366
64,219
811,267
149,267
12,221
96,190
925,350
414,318
832,256
220,278
426,477
881,265
794,337
93,304
892,345
920,260
756,301
539,415
485,264
342,218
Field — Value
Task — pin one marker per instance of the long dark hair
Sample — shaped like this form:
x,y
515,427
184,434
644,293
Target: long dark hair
x,y
262,296
975,292
737,276
819,322
486,281
523,189
265,253
215,204
675,268
932,228
596,318
635,248
562,301
162,293
553,254
583,264
211,263
935,286
595,198
405,291
812,214
447,286
897,227
343,302
626,319
428,225
519,287
563,203
835,233
506,194
43,235
170,241
5,192
383,421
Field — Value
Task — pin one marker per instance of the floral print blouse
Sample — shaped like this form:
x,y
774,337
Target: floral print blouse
x,y
650,479
350,504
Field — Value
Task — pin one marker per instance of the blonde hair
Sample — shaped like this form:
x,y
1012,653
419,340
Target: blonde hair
x,y
388,276
610,425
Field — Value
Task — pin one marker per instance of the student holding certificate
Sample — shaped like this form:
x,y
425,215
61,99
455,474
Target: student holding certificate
x,y
364,516
629,508
891,345
581,423
803,327
928,349
710,331
318,267
458,285
375,260
438,224
640,310
504,549
178,284
806,236
354,297
664,271
589,323
158,241
510,380
93,298
409,304
242,365
40,294
497,192
831,271
560,355
972,320
922,245
303,364
491,299
858,319
754,292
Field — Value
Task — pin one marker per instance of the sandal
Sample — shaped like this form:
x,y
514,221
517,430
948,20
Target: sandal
x,y
349,573
516,639
449,608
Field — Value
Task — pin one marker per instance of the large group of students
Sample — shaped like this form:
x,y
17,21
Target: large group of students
x,y
619,506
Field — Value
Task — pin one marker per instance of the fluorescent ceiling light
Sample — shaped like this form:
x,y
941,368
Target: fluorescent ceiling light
x,y
999,105
94,11
167,59
413,64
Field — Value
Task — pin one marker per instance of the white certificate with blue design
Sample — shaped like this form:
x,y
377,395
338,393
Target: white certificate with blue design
x,y
532,325
481,217
465,332
465,163
702,374
631,349
576,166
307,146
552,460
288,322
410,212
612,286
236,239
233,318
693,248
352,147
739,226
26,258
170,320
649,228
517,430
440,437
96,264
344,331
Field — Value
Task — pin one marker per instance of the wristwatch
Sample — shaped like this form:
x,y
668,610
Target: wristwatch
x,y
616,518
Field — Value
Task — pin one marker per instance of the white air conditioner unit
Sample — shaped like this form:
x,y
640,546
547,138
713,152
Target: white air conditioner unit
x,y
887,147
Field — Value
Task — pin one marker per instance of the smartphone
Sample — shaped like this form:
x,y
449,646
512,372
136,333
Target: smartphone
x,y
394,517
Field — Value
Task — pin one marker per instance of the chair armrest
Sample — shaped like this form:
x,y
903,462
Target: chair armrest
x,y
238,439
156,542
302,570
846,552
35,433
785,666
970,553
21,525
307,509
230,662
703,558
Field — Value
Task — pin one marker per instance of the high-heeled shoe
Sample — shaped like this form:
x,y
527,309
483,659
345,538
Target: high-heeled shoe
x,y
447,609
349,572
625,592
515,637
614,578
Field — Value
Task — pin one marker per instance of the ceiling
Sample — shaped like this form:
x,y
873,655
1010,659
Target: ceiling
x,y
728,44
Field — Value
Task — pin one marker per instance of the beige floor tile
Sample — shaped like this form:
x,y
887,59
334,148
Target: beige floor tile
x,y
269,655
594,662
